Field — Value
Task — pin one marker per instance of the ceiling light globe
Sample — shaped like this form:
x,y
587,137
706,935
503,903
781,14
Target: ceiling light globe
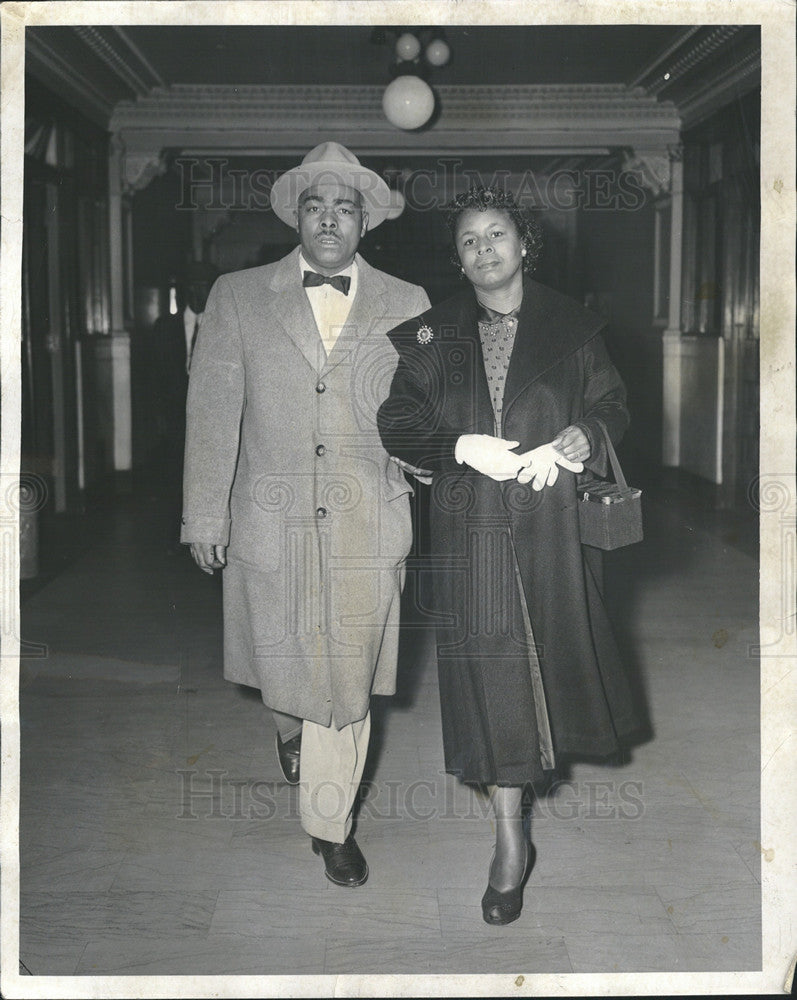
x,y
408,102
437,52
396,204
407,46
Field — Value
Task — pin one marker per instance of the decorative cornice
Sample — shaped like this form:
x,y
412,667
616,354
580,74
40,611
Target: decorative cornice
x,y
653,167
138,169
52,69
705,69
119,54
681,40
741,78
686,61
77,79
553,101
495,118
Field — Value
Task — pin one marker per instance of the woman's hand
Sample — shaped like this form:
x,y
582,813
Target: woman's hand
x,y
541,466
492,456
573,443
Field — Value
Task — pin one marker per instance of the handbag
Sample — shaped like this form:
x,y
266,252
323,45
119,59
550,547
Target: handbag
x,y
609,513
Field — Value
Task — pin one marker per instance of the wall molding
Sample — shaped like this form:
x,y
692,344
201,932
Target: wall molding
x,y
61,76
736,80
119,54
290,120
705,68
690,57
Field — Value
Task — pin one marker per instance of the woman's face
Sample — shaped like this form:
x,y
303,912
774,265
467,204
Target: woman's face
x,y
489,248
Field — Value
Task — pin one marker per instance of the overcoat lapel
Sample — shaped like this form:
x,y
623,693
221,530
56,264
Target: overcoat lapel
x,y
370,304
550,328
290,309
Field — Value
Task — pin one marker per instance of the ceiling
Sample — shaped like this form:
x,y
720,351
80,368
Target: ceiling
x,y
346,55
96,67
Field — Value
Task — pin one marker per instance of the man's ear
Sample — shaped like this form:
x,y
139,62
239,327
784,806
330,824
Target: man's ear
x,y
296,218
364,228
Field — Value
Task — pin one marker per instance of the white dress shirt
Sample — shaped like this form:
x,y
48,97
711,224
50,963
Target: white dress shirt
x,y
330,307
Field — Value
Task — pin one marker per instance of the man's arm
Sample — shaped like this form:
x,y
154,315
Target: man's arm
x,y
213,421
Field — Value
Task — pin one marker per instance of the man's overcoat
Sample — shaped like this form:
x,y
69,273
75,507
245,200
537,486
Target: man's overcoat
x,y
284,465
528,665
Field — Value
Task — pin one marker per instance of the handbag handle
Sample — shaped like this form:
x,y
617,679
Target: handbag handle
x,y
613,459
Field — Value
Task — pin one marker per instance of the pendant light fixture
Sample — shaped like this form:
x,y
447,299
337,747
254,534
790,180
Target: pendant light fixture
x,y
408,101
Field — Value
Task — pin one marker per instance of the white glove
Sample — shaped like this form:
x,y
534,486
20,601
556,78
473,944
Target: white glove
x,y
541,466
492,456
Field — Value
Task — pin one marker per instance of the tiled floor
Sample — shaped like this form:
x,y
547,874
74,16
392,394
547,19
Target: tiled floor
x,y
157,837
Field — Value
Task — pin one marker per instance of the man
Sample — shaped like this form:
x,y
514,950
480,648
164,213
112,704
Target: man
x,y
288,487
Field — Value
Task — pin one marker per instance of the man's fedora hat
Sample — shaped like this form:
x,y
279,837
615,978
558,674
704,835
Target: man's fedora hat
x,y
329,160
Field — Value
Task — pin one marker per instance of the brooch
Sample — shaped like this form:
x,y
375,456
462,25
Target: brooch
x,y
425,335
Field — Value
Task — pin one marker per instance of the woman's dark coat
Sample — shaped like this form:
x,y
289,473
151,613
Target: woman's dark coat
x,y
532,671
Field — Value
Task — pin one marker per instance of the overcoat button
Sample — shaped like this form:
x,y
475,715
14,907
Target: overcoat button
x,y
322,512
320,387
320,449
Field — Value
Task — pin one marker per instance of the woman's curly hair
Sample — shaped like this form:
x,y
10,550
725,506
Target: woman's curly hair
x,y
480,199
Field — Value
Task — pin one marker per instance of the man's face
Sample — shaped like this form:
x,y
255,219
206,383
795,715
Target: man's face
x,y
330,221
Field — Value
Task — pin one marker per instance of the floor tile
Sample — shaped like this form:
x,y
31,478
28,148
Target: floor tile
x,y
82,916
726,909
493,950
158,836
49,869
367,912
214,955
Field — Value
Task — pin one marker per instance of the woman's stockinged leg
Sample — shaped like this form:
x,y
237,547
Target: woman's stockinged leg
x,y
509,863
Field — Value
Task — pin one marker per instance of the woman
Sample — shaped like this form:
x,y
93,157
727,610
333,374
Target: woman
x,y
502,392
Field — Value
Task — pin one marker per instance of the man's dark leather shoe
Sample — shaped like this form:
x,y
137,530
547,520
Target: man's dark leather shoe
x,y
288,754
344,863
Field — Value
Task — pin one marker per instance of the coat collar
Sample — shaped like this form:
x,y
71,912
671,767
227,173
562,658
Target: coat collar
x,y
551,327
292,311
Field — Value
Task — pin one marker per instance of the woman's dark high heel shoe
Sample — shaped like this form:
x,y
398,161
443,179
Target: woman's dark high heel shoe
x,y
504,907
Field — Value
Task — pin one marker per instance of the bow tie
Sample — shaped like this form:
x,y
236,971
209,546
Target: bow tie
x,y
312,279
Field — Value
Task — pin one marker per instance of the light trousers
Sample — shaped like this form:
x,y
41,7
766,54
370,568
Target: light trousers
x,y
332,762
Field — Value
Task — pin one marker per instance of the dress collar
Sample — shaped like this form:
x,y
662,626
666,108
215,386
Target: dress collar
x,y
492,316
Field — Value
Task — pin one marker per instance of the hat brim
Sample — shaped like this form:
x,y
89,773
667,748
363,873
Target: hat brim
x,y
376,195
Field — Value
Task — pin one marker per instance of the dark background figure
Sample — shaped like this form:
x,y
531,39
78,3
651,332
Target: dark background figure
x,y
173,336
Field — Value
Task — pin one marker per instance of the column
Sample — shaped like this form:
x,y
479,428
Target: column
x,y
113,352
671,338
